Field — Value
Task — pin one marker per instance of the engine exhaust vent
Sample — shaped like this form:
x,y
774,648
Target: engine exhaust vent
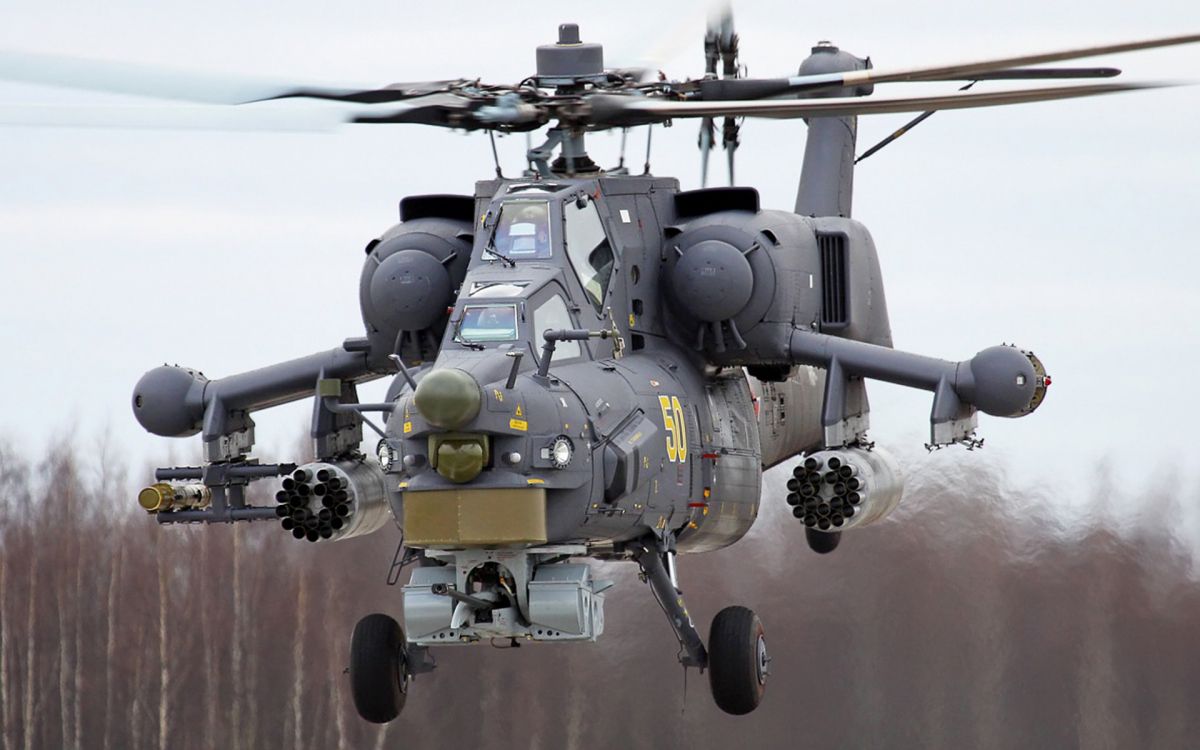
x,y
833,280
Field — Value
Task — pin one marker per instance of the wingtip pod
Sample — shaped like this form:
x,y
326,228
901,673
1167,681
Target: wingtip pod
x,y
1004,381
168,401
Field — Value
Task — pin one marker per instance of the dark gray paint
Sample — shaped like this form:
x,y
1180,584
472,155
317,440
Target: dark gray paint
x,y
710,356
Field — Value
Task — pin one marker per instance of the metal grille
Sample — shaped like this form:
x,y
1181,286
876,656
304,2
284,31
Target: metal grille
x,y
833,278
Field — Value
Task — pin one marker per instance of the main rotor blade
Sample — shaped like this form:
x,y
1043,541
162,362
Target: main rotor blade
x,y
393,92
443,110
612,111
743,89
1034,74
169,117
972,70
170,83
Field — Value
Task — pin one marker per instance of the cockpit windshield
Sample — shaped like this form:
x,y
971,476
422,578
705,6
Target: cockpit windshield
x,y
522,230
482,323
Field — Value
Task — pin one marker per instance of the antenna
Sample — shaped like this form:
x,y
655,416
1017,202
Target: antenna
x,y
649,132
495,155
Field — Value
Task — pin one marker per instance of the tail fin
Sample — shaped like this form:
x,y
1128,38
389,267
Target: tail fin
x,y
827,177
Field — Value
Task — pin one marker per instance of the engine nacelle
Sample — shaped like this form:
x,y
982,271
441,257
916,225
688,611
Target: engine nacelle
x,y
336,500
738,282
412,274
834,490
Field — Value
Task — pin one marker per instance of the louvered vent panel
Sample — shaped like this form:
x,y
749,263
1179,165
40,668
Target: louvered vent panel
x,y
833,278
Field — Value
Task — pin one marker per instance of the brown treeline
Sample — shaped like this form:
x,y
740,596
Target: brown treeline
x,y
974,619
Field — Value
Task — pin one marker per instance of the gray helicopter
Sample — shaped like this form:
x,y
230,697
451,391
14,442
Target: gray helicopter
x,y
588,364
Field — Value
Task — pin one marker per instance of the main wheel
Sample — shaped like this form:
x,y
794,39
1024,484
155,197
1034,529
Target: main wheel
x,y
378,668
737,660
823,542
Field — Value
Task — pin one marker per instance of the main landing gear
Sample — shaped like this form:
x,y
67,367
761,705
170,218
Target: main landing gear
x,y
379,671
736,657
382,664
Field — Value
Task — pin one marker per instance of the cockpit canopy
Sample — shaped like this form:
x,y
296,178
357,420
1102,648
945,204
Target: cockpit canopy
x,y
522,230
509,314
549,222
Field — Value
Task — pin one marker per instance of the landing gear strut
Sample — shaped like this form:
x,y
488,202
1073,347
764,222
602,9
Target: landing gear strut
x,y
737,649
654,566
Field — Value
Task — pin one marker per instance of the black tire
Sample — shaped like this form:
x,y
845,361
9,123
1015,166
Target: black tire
x,y
822,542
737,660
378,671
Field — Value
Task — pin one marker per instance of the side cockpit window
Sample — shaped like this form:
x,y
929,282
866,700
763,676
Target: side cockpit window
x,y
522,230
587,248
553,314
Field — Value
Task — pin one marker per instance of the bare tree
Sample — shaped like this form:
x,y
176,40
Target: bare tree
x,y
239,687
110,641
6,722
164,654
974,618
208,631
31,631
298,666
136,705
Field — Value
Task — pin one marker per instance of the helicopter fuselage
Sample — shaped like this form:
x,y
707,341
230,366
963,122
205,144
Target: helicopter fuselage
x,y
656,436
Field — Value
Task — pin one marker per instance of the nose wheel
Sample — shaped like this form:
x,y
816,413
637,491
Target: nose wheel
x,y
379,672
738,664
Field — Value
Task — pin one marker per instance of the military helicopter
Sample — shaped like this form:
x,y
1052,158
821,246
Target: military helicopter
x,y
591,364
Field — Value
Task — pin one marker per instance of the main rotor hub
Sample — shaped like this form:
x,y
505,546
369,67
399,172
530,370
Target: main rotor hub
x,y
570,62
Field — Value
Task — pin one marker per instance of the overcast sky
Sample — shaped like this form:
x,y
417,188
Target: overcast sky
x,y
1069,228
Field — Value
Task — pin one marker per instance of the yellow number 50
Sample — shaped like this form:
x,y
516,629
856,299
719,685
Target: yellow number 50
x,y
672,414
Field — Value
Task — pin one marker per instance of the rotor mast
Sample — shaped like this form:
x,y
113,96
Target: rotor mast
x,y
569,67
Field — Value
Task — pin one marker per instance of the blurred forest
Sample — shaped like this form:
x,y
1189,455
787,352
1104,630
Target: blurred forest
x,y
973,618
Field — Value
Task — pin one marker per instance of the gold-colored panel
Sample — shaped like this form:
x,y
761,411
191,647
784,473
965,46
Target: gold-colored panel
x,y
475,517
